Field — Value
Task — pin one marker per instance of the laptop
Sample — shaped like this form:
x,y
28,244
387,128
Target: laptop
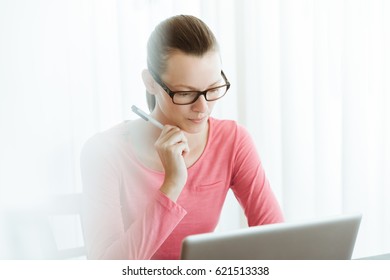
x,y
331,238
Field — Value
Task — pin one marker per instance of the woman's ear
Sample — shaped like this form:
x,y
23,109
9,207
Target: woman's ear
x,y
149,82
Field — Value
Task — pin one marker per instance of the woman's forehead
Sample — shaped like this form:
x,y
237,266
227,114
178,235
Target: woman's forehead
x,y
190,69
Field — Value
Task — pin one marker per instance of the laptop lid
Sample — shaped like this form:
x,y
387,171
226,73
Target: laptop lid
x,y
327,238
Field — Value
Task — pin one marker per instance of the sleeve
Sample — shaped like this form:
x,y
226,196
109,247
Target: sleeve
x,y
250,184
103,223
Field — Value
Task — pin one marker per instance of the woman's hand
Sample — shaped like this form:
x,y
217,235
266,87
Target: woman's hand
x,y
172,147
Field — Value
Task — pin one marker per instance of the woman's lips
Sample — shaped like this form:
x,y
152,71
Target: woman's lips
x,y
198,120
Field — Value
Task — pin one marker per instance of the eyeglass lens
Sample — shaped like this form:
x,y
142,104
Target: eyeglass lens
x,y
188,97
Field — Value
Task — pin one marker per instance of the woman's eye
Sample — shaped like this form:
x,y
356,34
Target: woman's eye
x,y
185,94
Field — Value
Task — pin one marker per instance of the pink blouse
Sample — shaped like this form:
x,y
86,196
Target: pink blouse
x,y
127,217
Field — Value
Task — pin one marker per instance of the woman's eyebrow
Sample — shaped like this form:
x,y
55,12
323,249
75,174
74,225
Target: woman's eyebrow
x,y
193,88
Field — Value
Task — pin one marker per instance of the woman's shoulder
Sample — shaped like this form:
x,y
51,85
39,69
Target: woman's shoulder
x,y
225,128
222,124
109,138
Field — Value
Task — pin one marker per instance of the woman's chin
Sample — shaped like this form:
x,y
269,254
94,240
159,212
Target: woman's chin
x,y
194,126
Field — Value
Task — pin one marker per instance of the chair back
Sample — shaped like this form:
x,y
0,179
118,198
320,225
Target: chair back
x,y
51,230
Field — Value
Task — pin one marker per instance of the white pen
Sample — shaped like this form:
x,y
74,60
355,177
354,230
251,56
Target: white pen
x,y
146,117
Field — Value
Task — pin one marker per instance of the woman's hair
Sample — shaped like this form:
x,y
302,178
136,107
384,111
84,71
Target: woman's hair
x,y
184,33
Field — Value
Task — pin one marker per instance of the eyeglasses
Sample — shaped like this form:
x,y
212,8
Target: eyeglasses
x,y
190,96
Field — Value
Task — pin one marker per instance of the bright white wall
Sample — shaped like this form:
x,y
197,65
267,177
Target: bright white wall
x,y
310,81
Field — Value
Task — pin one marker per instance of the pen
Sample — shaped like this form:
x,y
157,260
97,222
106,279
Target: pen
x,y
146,117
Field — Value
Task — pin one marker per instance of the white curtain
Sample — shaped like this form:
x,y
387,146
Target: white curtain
x,y
310,80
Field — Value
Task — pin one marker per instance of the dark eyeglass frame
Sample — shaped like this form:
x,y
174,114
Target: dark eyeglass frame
x,y
204,93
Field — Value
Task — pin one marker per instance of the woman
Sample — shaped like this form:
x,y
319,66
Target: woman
x,y
146,189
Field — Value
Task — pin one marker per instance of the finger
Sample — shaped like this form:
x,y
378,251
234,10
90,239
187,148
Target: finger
x,y
168,131
168,128
181,148
172,136
177,148
186,150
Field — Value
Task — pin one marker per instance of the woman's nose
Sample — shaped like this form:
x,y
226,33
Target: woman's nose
x,y
200,105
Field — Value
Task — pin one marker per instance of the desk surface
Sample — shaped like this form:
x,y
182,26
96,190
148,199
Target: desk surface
x,y
378,257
